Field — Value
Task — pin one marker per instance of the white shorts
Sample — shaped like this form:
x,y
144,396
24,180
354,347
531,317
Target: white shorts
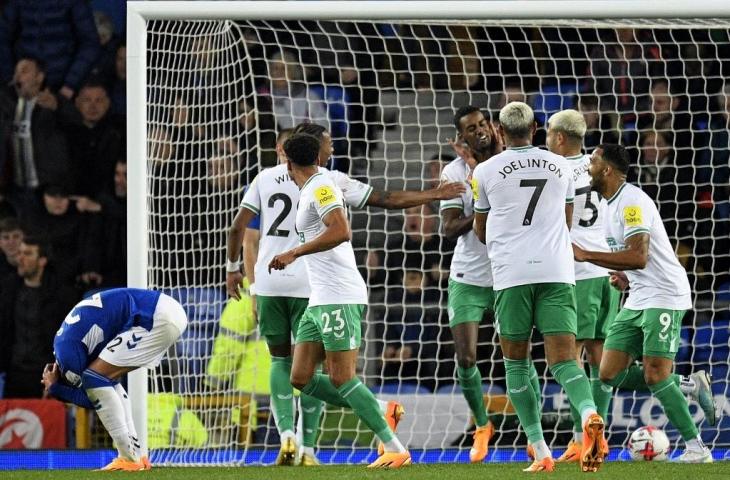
x,y
138,347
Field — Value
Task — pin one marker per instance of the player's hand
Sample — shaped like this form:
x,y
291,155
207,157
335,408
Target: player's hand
x,y
234,281
618,280
91,278
280,261
447,191
47,100
85,204
463,150
579,254
496,144
50,375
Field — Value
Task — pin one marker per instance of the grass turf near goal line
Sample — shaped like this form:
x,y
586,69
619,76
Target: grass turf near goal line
x,y
623,470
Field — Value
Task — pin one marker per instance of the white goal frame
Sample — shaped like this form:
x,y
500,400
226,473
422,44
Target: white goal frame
x,y
138,13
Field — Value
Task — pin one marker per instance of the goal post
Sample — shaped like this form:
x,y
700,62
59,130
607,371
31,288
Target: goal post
x,y
194,77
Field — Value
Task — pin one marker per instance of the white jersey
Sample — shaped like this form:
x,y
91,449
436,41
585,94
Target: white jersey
x,y
274,196
588,211
525,190
663,282
470,263
333,273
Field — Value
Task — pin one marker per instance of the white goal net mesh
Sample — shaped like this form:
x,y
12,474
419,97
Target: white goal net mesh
x,y
218,92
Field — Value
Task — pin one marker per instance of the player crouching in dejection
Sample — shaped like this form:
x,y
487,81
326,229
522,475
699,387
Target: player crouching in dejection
x,y
102,338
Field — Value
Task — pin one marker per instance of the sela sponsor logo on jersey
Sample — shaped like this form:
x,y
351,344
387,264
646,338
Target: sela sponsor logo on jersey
x,y
632,216
474,189
324,196
515,165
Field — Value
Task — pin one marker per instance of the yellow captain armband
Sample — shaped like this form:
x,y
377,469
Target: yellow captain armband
x,y
474,188
632,216
324,196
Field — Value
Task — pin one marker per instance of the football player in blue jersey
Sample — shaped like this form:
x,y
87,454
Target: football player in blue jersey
x,y
102,338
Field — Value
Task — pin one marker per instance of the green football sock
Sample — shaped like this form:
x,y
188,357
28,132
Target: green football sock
x,y
311,411
522,396
535,382
320,386
364,404
675,407
470,380
575,383
632,378
282,393
602,393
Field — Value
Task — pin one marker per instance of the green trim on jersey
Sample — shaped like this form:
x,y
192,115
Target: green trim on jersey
x,y
329,209
618,192
569,200
451,206
365,198
576,157
252,208
652,332
634,232
519,149
310,179
481,210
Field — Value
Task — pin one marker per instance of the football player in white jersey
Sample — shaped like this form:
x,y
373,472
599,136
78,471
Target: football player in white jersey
x,y
596,301
281,296
330,329
648,326
523,204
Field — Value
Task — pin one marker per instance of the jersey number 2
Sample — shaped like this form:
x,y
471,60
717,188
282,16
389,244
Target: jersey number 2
x,y
538,184
274,229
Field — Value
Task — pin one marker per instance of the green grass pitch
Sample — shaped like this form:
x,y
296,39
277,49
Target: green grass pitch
x,y
614,471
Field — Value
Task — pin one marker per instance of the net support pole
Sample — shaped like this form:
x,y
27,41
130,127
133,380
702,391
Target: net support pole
x,y
137,195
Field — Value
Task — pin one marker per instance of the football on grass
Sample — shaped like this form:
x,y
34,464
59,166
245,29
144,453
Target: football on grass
x,y
649,444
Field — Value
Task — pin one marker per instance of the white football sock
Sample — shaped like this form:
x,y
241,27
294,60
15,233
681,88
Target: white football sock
x,y
111,413
393,445
541,450
124,397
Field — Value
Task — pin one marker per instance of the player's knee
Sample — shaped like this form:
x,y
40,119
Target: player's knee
x,y
466,360
652,376
608,377
340,378
299,379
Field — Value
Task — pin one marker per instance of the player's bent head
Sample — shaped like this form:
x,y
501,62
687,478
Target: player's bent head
x,y
517,119
616,156
302,149
317,131
570,123
463,112
283,135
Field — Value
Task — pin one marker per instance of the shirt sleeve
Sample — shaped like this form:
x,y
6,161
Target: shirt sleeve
x,y
74,395
355,193
458,202
478,189
636,216
326,197
251,198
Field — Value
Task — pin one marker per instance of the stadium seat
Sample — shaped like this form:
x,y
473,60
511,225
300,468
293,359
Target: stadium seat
x,y
551,99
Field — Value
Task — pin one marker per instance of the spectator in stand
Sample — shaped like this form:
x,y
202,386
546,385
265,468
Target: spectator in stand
x,y
715,167
32,307
600,126
107,241
11,236
60,33
292,101
257,130
104,66
66,232
620,73
96,141
411,327
118,87
37,150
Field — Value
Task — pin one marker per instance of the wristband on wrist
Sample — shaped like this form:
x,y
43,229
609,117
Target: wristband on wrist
x,y
232,267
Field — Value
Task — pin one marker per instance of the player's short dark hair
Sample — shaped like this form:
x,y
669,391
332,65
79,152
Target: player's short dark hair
x,y
616,155
302,149
9,224
312,129
35,241
463,112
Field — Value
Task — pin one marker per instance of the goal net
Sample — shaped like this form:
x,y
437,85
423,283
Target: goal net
x,y
218,91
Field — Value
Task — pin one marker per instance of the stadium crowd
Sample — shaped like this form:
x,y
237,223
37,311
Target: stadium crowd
x,y
63,161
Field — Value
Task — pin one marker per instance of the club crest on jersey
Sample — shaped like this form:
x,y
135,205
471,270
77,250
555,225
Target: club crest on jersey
x,y
632,216
324,196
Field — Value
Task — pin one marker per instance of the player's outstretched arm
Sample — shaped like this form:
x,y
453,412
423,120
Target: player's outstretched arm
x,y
235,240
480,226
633,257
411,198
455,223
66,393
337,232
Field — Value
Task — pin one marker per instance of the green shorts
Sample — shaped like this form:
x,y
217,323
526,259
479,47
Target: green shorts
x,y
598,303
653,332
279,317
548,306
467,303
337,327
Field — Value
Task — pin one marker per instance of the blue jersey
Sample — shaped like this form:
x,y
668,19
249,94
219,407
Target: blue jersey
x,y
95,321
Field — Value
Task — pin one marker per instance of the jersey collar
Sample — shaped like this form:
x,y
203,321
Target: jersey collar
x,y
618,192
575,157
310,179
520,149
